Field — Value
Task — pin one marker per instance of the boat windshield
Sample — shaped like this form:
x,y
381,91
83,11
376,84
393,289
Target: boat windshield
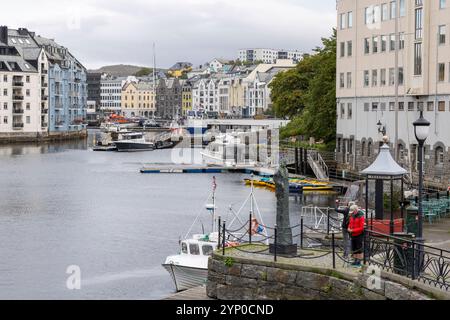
x,y
207,250
194,249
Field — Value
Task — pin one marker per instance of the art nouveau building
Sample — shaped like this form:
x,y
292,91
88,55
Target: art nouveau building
x,y
138,99
367,75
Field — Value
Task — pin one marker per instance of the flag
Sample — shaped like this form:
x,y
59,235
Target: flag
x,y
214,184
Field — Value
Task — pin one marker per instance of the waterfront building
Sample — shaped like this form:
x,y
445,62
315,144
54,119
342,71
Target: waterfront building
x,y
236,96
367,78
169,98
267,55
186,98
205,96
94,89
223,96
138,99
111,93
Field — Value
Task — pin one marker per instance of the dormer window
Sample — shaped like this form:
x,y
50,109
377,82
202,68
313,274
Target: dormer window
x,y
13,40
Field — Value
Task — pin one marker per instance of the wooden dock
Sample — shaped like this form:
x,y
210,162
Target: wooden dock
x,y
207,169
197,293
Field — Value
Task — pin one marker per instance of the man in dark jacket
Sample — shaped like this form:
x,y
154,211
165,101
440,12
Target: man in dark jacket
x,y
345,211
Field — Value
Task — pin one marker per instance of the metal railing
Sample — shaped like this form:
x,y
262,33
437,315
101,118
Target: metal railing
x,y
318,165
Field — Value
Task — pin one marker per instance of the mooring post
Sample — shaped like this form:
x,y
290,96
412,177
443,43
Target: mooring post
x,y
328,225
334,250
275,243
250,229
223,239
413,267
301,233
218,229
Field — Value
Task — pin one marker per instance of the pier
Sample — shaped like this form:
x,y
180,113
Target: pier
x,y
197,293
206,169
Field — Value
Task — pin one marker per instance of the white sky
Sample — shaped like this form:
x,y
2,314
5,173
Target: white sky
x,y
101,32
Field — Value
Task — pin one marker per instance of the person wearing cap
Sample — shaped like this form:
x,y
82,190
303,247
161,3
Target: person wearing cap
x,y
356,231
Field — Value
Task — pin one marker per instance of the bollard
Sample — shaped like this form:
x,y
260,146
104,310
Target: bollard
x,y
219,227
328,225
275,244
334,250
250,229
301,233
223,239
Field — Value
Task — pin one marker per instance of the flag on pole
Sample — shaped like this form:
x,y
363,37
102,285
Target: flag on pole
x,y
214,184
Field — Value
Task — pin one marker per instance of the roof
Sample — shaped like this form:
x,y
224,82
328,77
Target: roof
x,y
384,165
181,65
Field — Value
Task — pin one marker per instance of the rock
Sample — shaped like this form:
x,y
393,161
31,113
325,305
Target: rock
x,y
240,282
255,272
299,293
283,276
311,280
395,291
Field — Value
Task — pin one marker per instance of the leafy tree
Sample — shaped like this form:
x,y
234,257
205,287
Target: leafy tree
x,y
143,72
307,94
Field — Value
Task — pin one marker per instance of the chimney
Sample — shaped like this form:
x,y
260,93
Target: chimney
x,y
4,34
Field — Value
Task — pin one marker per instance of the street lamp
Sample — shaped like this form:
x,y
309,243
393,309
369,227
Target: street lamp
x,y
421,131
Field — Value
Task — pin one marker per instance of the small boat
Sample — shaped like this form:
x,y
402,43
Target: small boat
x,y
226,150
133,141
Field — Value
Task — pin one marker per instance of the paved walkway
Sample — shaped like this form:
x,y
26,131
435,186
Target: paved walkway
x,y
197,293
437,234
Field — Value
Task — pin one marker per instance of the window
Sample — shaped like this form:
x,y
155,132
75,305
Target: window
x,y
420,106
27,92
383,43
391,76
401,106
392,42
393,10
441,70
391,106
368,15
441,34
402,8
400,76
384,12
441,106
418,59
349,48
342,110
366,46
5,92
28,106
411,106
430,106
27,79
349,80
5,105
442,4
383,106
5,120
184,248
401,44
207,250
374,78
382,77
375,44
342,20
374,106
349,111
419,23
369,148
350,19
341,80
363,148
366,78
366,106
5,78
342,49
439,156
28,118
194,249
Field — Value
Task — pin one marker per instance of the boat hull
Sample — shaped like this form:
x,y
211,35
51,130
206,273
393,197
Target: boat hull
x,y
185,277
133,146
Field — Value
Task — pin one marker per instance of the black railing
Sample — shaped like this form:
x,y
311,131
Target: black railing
x,y
399,255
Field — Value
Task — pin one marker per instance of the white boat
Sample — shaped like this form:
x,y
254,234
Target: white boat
x,y
190,268
227,150
133,141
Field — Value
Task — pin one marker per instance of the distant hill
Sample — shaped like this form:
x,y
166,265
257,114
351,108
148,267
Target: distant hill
x,y
122,70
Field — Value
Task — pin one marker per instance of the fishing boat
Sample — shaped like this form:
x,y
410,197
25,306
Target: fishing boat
x,y
189,268
133,141
226,150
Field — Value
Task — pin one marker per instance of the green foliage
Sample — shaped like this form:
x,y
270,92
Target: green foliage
x,y
143,72
229,262
396,201
307,94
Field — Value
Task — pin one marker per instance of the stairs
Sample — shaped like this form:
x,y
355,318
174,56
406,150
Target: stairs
x,y
318,165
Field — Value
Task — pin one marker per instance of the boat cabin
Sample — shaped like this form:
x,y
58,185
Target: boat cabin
x,y
197,247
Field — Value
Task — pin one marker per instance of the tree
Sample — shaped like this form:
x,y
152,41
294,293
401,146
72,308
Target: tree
x,y
307,94
143,72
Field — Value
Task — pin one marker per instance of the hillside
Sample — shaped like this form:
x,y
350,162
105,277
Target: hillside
x,y
121,70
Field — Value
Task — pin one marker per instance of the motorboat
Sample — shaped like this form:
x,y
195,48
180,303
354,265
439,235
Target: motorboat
x,y
227,150
133,141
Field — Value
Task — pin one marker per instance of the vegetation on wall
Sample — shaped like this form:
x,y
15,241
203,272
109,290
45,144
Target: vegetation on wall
x,y
307,94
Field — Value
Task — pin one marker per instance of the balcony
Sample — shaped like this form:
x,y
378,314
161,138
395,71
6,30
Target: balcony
x,y
17,111
44,111
17,98
44,125
17,125
44,98
44,71
17,84
44,85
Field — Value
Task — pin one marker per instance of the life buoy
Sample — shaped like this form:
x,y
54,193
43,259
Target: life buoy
x,y
256,228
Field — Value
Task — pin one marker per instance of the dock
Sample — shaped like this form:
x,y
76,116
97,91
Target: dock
x,y
177,169
197,293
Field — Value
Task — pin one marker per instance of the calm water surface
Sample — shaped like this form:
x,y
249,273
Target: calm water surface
x,y
63,204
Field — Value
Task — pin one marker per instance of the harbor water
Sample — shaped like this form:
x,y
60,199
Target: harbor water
x,y
64,205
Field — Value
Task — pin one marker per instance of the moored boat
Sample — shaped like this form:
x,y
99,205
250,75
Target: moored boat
x,y
134,141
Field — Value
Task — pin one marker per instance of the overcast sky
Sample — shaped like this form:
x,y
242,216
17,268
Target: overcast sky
x,y
101,32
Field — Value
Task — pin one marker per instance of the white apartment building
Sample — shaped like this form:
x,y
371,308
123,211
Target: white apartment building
x,y
205,96
267,55
367,75
111,93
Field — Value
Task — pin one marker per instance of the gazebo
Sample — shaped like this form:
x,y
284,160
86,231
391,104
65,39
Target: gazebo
x,y
383,169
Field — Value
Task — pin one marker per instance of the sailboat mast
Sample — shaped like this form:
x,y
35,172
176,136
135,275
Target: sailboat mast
x,y
154,77
214,205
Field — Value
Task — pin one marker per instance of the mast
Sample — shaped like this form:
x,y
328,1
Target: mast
x,y
214,205
154,78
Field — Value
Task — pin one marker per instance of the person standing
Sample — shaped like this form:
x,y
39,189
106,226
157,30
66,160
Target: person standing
x,y
356,231
345,211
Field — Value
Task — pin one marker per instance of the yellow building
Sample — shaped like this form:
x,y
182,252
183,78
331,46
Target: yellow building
x,y
138,100
179,69
186,97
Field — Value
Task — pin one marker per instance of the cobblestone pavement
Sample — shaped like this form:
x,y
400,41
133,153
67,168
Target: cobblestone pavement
x,y
437,234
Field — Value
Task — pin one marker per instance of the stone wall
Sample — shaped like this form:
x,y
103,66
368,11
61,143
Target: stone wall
x,y
6,138
244,279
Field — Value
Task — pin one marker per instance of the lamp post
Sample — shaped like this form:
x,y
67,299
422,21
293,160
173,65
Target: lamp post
x,y
421,131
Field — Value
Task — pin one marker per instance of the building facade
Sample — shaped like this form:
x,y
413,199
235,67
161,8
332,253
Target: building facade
x,y
111,93
368,77
267,55
169,98
186,98
94,89
138,100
